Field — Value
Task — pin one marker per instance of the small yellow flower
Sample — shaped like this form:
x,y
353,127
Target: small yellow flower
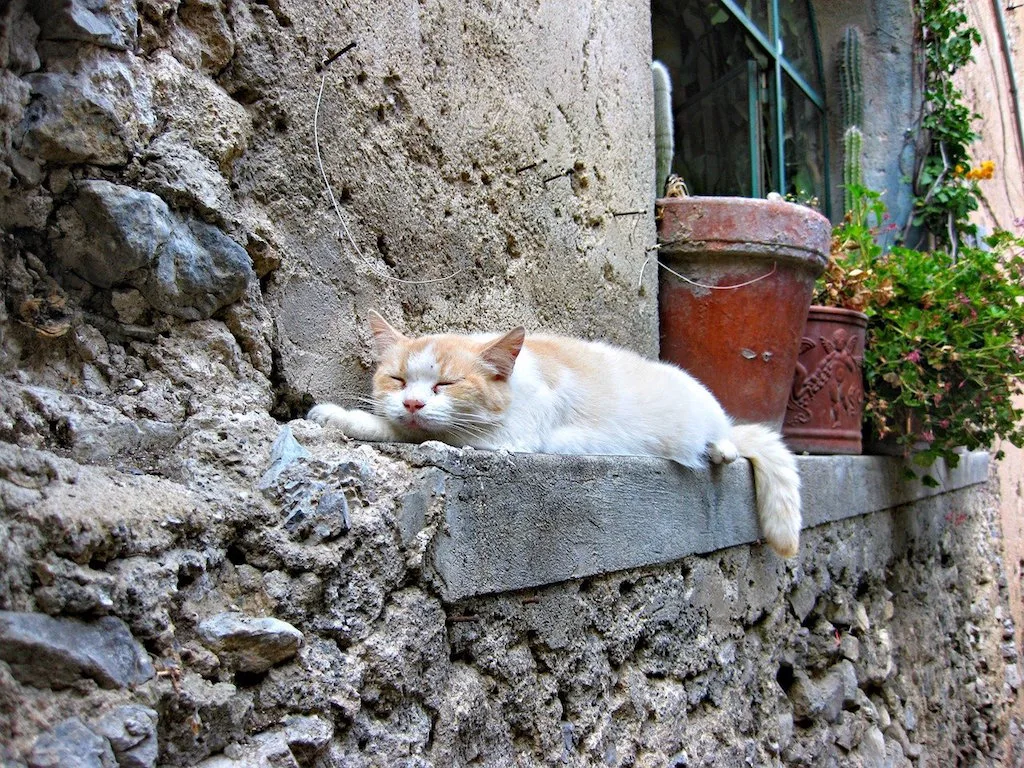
x,y
986,170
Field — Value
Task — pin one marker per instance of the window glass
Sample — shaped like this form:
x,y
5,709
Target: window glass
x,y
742,125
799,40
803,144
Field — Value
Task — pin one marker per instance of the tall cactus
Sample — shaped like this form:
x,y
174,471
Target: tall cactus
x,y
850,84
664,138
853,173
852,107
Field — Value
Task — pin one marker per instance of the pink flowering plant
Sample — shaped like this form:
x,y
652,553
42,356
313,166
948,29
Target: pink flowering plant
x,y
945,335
945,349
945,357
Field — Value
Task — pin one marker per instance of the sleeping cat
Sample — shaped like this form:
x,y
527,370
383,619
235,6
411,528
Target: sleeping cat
x,y
549,394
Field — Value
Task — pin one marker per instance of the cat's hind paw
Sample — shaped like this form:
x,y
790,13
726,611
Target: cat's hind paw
x,y
722,452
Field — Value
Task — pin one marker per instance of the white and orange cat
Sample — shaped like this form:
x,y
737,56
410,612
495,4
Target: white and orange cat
x,y
549,394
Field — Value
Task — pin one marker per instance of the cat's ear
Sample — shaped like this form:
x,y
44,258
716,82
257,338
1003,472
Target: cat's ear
x,y
502,354
384,336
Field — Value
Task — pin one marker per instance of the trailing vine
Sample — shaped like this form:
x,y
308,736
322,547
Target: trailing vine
x,y
945,187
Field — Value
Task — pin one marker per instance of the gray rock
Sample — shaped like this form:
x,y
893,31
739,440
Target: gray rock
x,y
15,94
95,432
817,699
847,674
283,452
185,178
330,518
199,719
111,231
106,23
264,750
131,731
849,646
21,32
876,665
101,114
1012,676
114,234
67,124
307,736
248,643
199,270
197,111
871,749
55,653
206,19
71,744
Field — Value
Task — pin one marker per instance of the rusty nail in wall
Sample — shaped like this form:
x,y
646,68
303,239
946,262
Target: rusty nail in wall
x,y
336,55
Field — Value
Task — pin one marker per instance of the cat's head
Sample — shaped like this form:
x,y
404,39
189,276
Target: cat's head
x,y
443,384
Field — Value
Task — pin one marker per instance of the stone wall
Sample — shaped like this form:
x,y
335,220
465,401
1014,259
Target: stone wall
x,y
299,625
175,284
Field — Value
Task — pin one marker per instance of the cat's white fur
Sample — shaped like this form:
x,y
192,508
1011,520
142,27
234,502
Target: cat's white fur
x,y
561,395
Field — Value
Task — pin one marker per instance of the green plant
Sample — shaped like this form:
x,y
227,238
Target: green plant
x,y
945,350
945,357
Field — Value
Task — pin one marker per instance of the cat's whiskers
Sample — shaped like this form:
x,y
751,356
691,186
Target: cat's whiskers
x,y
468,432
357,397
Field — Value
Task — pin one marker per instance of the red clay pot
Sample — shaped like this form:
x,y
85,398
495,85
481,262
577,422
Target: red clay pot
x,y
733,312
826,406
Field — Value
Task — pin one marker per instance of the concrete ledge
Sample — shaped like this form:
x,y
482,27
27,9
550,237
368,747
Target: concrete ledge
x,y
513,521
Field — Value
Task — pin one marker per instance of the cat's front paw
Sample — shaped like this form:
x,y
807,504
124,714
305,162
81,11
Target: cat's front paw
x,y
354,423
330,415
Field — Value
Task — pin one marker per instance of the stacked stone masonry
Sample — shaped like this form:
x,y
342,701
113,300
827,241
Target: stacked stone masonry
x,y
175,591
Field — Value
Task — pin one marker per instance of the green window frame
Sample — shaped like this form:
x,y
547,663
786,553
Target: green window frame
x,y
748,67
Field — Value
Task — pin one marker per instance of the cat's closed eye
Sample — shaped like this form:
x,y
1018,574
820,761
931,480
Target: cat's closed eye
x,y
398,380
437,387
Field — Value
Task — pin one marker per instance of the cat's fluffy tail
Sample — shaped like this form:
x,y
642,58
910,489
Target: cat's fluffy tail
x,y
776,482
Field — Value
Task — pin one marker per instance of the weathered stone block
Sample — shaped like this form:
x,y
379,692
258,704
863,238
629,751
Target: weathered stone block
x,y
199,269
250,644
106,23
307,736
197,111
814,699
45,652
100,114
131,731
71,744
20,30
111,231
113,235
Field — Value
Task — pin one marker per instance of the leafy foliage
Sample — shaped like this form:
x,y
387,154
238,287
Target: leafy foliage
x,y
945,350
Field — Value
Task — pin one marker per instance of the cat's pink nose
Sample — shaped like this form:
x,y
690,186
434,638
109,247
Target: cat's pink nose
x,y
413,405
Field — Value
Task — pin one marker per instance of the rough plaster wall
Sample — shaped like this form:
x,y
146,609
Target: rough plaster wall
x,y
986,85
892,95
426,127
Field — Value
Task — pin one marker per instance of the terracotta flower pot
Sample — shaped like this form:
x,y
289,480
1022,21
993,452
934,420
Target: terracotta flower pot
x,y
826,406
734,295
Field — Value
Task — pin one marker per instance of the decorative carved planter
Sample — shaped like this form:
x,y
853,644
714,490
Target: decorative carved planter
x,y
734,295
826,405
